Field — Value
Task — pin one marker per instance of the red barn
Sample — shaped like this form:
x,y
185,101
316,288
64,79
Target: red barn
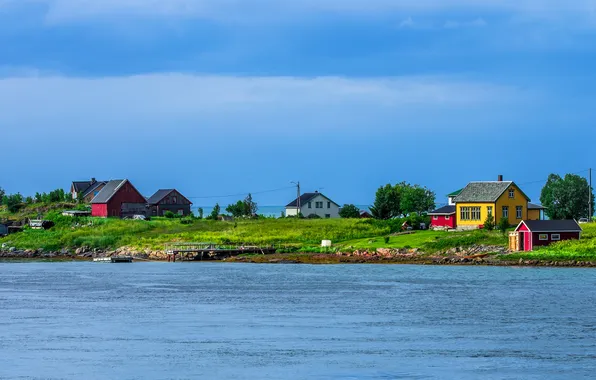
x,y
443,218
118,198
540,233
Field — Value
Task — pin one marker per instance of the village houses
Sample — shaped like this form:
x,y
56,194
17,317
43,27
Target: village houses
x,y
310,204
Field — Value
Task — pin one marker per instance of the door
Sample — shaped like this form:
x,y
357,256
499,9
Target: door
x,y
522,241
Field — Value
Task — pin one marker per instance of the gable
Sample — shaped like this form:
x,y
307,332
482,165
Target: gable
x,y
519,195
319,198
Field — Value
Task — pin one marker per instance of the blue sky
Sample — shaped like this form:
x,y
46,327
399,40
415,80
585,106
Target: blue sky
x,y
221,97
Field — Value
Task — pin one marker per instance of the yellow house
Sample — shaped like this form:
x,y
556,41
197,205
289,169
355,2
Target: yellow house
x,y
502,199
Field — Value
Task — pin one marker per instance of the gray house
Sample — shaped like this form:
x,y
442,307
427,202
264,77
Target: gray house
x,y
168,200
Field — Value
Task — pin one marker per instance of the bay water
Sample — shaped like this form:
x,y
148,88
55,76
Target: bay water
x,y
247,321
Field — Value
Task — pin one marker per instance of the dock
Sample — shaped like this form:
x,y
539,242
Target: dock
x,y
212,251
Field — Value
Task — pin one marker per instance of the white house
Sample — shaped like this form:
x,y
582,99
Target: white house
x,y
313,203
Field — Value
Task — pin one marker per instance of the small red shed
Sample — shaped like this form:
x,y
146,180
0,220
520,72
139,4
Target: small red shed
x,y
443,217
540,233
118,198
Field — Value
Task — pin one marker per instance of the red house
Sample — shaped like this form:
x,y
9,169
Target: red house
x,y
118,198
539,233
443,218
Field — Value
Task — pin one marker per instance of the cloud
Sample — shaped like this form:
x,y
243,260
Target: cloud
x,y
71,10
264,103
477,23
407,23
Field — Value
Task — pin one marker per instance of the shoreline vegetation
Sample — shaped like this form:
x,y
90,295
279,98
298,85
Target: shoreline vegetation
x,y
297,241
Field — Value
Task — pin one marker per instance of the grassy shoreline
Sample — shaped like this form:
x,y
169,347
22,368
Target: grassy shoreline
x,y
290,236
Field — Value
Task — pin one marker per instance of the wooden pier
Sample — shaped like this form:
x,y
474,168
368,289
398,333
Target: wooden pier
x,y
212,251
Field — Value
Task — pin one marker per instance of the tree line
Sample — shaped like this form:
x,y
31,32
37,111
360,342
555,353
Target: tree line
x,y
14,202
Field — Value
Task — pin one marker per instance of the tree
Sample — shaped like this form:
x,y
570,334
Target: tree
x,y
387,203
349,211
416,199
236,209
503,225
250,207
489,223
215,212
13,202
566,198
201,211
2,193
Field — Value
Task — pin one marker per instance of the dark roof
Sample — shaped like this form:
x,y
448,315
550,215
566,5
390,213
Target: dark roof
x,y
455,193
534,206
108,191
92,188
80,186
446,210
551,225
158,196
304,198
484,191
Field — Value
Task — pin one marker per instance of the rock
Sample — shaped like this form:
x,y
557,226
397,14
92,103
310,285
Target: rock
x,y
12,249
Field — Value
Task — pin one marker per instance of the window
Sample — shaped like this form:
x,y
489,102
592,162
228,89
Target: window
x,y
175,200
309,204
511,193
475,213
447,217
519,212
489,210
327,216
435,217
180,212
465,213
555,237
319,204
543,237
328,204
505,211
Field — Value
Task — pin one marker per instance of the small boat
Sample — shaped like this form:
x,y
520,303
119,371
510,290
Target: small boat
x,y
113,259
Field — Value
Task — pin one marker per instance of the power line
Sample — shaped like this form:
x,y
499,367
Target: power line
x,y
544,180
241,194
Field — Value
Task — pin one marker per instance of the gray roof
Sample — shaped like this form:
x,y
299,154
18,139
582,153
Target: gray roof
x,y
304,198
80,186
108,191
552,225
92,188
484,192
158,196
445,210
534,206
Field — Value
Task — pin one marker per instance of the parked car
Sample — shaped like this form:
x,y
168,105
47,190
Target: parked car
x,y
583,220
139,217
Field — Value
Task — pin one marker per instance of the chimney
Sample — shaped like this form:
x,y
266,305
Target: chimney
x,y
93,180
500,179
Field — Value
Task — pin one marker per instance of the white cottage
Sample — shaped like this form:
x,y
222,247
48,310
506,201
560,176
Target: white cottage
x,y
313,203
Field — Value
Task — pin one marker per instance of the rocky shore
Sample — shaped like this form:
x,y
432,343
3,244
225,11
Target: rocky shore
x,y
475,255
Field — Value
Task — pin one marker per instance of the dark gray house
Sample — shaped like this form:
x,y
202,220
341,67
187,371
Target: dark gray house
x,y
168,200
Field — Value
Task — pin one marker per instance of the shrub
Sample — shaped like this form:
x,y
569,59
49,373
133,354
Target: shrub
x,y
314,216
504,225
386,239
489,223
169,214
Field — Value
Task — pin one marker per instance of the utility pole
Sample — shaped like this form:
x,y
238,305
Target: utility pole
x,y
298,205
590,196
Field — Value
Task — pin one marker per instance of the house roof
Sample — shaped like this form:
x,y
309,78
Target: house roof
x,y
161,194
534,206
109,190
484,191
304,198
446,210
551,225
455,193
92,187
80,186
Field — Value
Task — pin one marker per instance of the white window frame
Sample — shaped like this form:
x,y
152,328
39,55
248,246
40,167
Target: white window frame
x,y
555,237
489,210
475,213
505,211
309,204
519,212
511,193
